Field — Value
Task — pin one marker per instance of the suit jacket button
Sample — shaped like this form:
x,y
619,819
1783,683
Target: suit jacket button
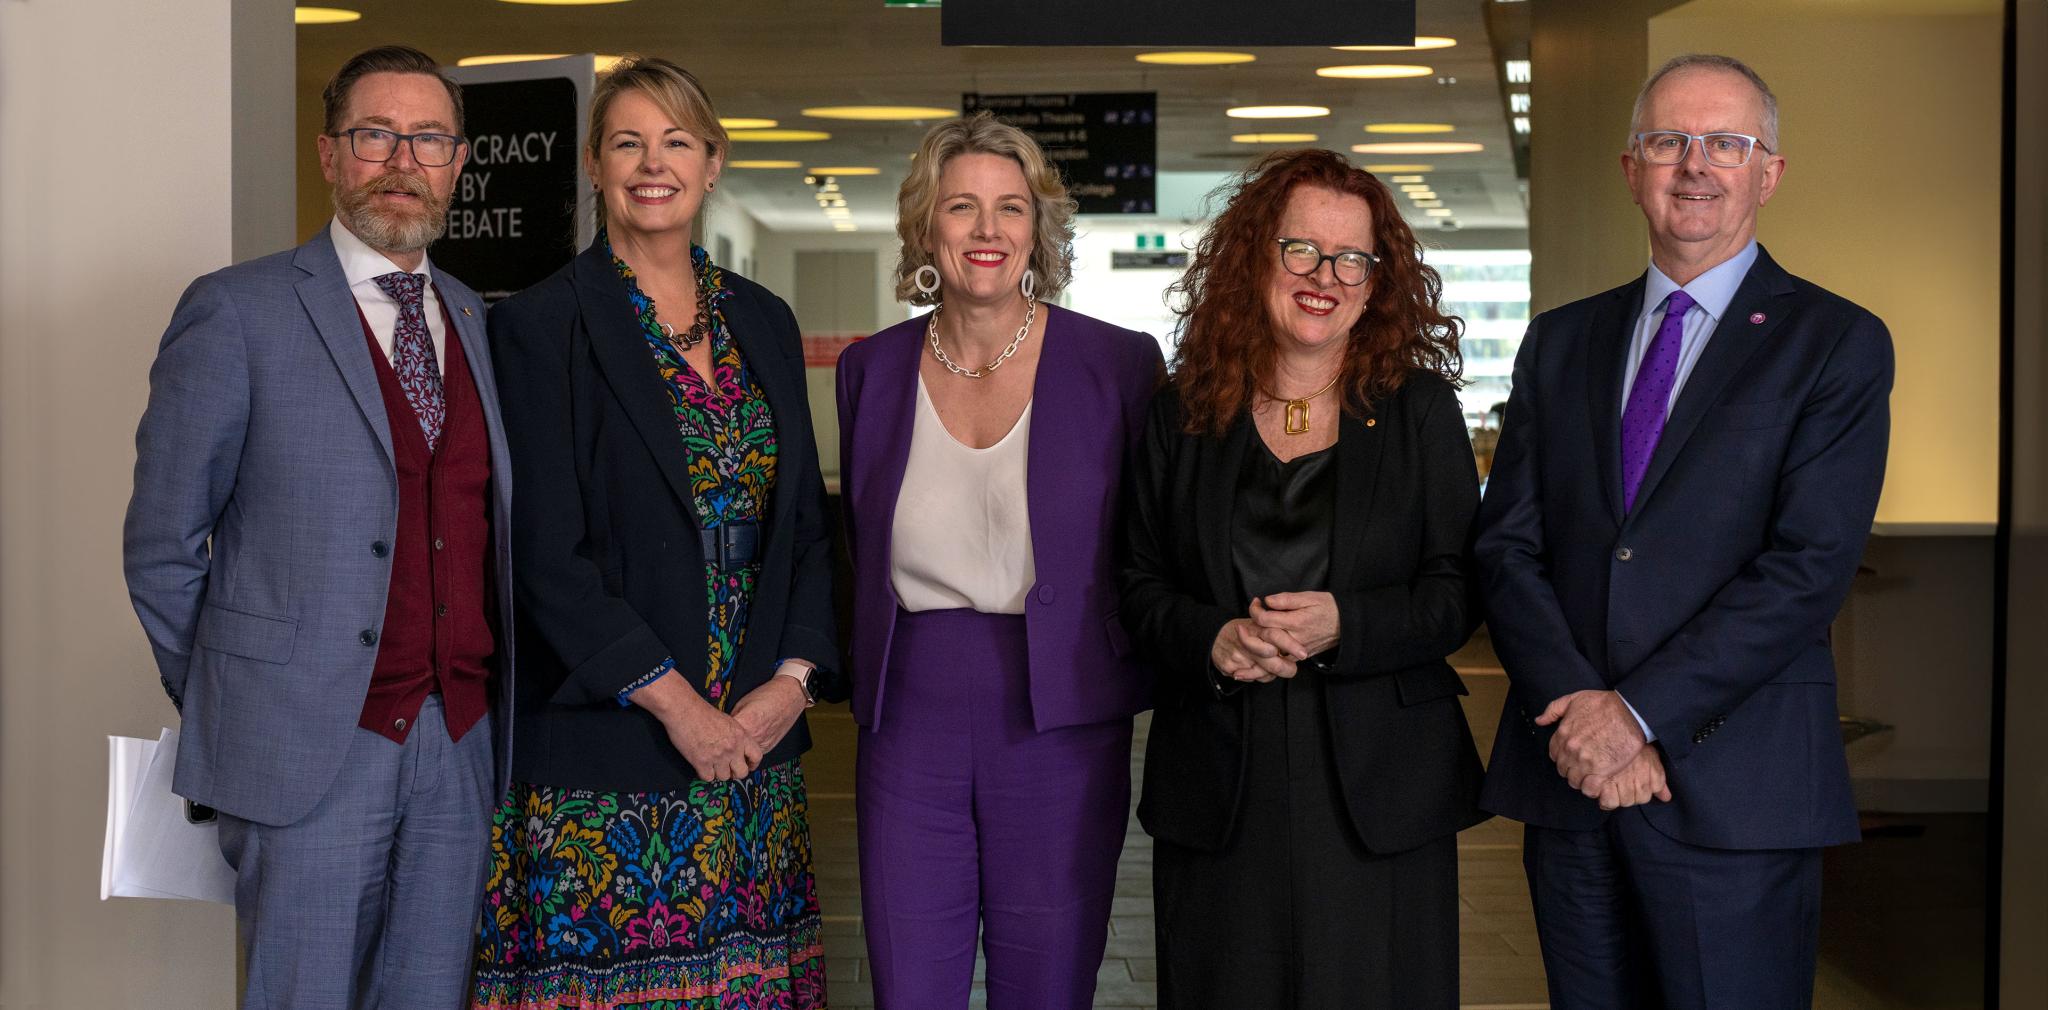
x,y
379,548
368,637
1623,554
398,724
1046,594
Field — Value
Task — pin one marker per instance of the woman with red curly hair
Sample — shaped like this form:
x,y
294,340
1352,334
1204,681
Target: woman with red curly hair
x,y
1299,566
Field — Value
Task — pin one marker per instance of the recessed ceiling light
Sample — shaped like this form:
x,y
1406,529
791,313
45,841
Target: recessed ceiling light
x,y
1421,42
604,63
747,123
1277,112
880,113
1426,204
777,136
847,170
1194,58
1399,179
1419,147
759,163
845,226
1409,128
1427,194
1273,138
1438,212
837,212
1375,71
1415,187
1385,169
324,15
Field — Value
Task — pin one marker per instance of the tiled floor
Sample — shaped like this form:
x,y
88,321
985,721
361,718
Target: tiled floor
x,y
1904,913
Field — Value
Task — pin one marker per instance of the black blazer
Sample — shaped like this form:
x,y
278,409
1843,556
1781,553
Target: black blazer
x,y
1400,570
1708,605
610,574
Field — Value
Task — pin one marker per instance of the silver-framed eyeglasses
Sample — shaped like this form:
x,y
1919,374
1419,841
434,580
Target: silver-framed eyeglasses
x,y
1302,258
1723,150
431,150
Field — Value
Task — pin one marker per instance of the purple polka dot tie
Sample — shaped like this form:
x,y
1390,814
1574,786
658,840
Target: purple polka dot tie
x,y
1642,421
418,374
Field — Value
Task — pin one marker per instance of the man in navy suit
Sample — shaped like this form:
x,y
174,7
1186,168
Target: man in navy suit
x,y
317,548
1684,482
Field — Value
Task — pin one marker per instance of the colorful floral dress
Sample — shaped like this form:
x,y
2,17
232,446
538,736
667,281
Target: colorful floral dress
x,y
701,899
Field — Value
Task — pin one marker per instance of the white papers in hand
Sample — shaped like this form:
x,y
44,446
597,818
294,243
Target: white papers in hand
x,y
152,850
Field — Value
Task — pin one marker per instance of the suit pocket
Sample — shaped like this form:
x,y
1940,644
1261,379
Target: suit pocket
x,y
1752,416
250,636
1419,684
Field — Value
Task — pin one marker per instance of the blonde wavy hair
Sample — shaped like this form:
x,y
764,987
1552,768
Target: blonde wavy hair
x,y
1052,210
673,90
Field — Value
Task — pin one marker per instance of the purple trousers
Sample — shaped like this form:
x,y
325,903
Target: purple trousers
x,y
970,819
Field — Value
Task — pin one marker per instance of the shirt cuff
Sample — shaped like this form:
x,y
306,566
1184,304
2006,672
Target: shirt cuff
x,y
1649,735
660,670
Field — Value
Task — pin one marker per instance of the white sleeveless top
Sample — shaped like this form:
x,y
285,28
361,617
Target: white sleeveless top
x,y
962,532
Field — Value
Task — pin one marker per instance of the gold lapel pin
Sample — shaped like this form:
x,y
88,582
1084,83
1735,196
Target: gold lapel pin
x,y
465,311
1370,421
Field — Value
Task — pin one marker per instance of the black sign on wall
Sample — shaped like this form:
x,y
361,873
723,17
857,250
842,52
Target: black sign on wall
x,y
1106,145
1176,23
512,220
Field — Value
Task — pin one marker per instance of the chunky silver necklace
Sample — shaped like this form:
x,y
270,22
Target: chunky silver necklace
x,y
931,332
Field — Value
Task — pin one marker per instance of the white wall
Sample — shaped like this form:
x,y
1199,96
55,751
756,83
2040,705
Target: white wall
x,y
94,253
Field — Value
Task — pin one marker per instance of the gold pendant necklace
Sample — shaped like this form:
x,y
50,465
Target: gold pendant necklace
x,y
1297,410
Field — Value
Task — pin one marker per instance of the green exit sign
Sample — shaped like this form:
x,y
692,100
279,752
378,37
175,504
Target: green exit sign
x,y
1151,241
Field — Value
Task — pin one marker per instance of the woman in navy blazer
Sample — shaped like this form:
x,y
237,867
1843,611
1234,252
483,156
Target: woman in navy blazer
x,y
982,451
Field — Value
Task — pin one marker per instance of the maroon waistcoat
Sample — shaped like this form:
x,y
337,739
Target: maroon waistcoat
x,y
437,635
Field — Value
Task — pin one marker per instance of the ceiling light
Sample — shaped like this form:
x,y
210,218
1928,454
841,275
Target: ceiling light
x,y
324,15
845,226
880,113
1421,42
1194,59
747,123
1438,212
777,136
1517,71
1427,194
1522,125
847,170
1419,147
837,212
1409,128
764,164
1277,112
1399,179
1415,187
1375,71
1386,169
1273,138
1427,204
1518,101
604,63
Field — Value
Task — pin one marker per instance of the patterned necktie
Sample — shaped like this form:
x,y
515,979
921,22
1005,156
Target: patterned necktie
x,y
1642,421
418,373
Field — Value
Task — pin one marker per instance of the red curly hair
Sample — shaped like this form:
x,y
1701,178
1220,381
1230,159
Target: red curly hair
x,y
1227,345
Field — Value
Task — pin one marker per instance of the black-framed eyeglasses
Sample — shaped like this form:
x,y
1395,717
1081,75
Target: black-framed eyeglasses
x,y
1302,258
1722,150
431,150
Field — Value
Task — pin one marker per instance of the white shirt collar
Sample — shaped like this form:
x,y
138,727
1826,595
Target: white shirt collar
x,y
361,264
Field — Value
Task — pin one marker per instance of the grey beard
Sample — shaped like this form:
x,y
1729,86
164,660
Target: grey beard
x,y
391,232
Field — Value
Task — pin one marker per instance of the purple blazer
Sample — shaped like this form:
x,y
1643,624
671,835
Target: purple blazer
x,y
1095,382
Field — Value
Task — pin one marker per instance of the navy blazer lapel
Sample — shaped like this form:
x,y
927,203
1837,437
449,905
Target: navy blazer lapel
x,y
1612,328
628,366
1358,475
324,292
1216,505
1736,339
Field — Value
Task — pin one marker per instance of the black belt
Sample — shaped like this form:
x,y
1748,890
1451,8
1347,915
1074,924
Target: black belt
x,y
732,545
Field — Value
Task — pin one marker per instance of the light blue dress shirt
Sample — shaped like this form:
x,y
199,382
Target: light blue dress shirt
x,y
1711,292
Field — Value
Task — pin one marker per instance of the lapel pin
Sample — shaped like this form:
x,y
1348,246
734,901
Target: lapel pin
x,y
1370,421
1754,317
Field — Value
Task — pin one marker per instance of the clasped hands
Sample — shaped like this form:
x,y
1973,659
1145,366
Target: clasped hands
x,y
718,745
1600,750
1281,630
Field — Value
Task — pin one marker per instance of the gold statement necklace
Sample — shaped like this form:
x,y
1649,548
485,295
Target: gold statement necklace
x,y
1297,409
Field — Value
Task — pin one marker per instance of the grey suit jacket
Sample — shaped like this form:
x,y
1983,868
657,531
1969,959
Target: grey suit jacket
x,y
264,474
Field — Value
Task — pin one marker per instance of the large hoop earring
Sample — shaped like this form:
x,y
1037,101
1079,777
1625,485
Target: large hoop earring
x,y
1029,285
925,287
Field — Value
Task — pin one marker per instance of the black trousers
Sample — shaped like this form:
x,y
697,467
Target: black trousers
x,y
1632,919
1295,912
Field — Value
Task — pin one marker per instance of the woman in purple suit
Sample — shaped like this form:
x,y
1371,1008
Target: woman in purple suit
x,y
982,453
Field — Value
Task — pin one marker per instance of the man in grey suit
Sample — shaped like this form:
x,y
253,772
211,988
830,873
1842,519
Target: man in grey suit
x,y
317,548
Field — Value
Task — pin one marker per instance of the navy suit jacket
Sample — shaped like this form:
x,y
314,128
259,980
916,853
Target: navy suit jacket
x,y
265,494
1089,398
1708,606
